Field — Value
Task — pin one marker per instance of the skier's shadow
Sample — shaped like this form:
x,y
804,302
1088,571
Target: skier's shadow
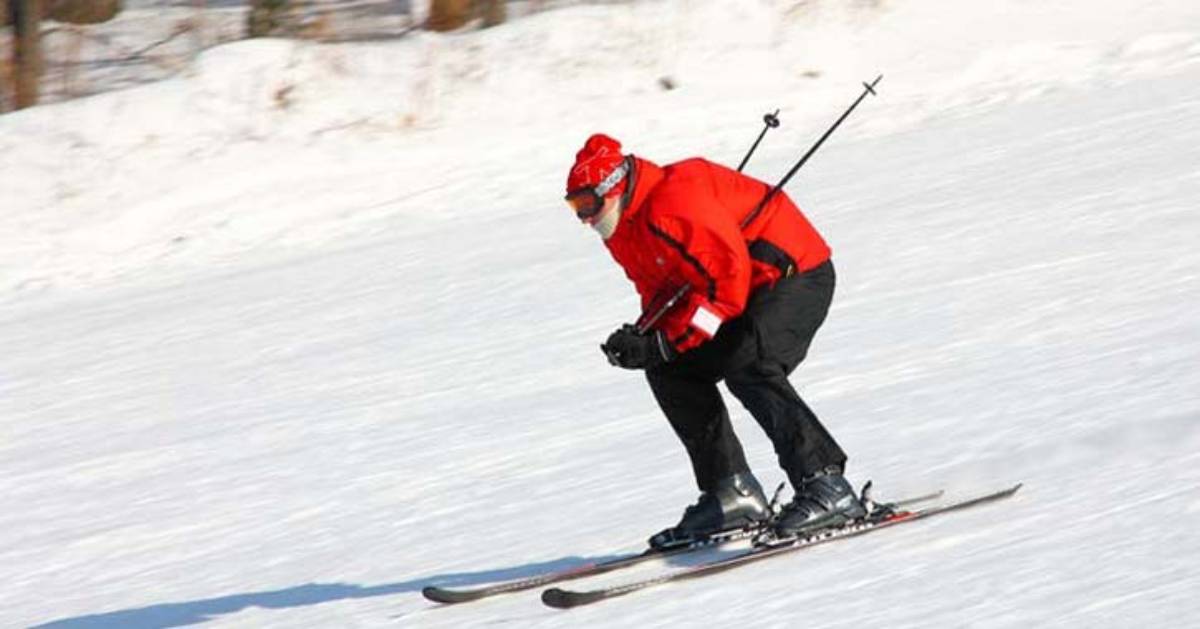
x,y
195,612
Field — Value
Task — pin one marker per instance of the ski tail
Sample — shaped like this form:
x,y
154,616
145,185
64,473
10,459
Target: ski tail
x,y
451,596
883,518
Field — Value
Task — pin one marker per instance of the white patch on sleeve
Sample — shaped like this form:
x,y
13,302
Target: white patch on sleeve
x,y
706,321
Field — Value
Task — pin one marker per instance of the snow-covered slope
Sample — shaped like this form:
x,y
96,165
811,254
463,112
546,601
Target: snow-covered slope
x,y
284,366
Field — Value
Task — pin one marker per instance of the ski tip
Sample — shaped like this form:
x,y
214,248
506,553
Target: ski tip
x,y
566,599
447,597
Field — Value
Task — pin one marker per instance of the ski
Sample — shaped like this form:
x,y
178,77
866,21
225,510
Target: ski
x,y
465,595
880,519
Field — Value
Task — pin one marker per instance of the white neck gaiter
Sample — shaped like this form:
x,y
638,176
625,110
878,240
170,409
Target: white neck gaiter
x,y
607,225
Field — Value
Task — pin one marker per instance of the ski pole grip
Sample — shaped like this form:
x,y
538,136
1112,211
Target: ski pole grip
x,y
770,121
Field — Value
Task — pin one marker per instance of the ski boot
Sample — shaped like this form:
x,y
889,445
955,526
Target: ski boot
x,y
822,501
735,503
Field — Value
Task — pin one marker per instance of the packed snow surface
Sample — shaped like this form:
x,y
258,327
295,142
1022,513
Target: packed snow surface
x,y
306,328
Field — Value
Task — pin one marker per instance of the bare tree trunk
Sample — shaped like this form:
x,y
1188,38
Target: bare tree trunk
x,y
447,15
27,50
494,12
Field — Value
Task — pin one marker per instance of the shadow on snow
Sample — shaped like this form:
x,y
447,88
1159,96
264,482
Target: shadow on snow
x,y
195,612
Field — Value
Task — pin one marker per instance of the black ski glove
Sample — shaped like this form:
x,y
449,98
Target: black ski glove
x,y
630,349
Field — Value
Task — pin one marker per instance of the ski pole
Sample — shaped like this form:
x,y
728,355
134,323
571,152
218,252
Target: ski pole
x,y
770,121
648,319
647,323
869,88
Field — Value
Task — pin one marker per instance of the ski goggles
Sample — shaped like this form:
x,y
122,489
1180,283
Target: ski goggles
x,y
588,201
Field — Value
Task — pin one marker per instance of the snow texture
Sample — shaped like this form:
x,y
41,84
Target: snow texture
x,y
304,328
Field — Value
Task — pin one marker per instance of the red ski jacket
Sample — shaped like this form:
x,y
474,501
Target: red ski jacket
x,y
682,224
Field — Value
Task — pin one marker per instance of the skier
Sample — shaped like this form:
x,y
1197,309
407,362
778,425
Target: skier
x,y
756,296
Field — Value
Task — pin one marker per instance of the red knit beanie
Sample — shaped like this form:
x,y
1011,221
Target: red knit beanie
x,y
598,158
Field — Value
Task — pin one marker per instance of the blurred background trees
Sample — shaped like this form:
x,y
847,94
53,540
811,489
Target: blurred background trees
x,y
493,12
25,16
279,17
267,17
53,50
81,11
447,15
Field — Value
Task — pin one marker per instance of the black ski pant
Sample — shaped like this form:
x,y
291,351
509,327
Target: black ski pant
x,y
753,354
